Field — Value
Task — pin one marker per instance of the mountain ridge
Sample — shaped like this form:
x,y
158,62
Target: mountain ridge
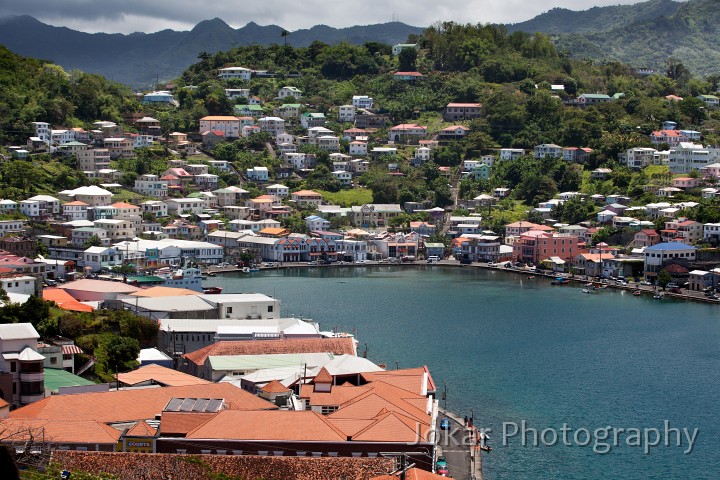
x,y
138,59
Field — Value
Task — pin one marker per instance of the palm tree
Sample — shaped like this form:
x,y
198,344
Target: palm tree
x,y
285,34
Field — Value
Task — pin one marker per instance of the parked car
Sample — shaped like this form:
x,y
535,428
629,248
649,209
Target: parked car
x,y
445,424
441,462
492,264
672,285
443,471
675,290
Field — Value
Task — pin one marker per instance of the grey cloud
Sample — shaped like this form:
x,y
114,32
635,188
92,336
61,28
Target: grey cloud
x,y
126,16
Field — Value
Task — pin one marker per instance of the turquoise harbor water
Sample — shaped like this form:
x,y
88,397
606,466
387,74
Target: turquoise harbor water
x,y
512,349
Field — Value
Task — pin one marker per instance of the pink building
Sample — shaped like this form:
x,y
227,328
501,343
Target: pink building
x,y
685,182
535,246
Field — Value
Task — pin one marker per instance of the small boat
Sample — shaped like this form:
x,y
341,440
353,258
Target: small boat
x,y
485,448
636,293
212,290
560,281
245,270
530,277
586,290
212,274
658,296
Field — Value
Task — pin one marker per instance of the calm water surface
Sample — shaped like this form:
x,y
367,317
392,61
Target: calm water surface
x,y
511,349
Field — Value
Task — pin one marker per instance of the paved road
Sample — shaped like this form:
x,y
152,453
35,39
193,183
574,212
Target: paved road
x,y
455,449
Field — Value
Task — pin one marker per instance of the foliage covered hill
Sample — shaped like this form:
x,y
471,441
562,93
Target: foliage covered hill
x,y
36,90
596,19
691,35
140,59
464,63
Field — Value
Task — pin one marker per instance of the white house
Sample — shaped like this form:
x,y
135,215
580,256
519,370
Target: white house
x,y
75,210
316,223
639,157
346,113
151,185
345,178
289,92
358,148
687,157
258,174
406,131
21,365
272,125
235,72
98,258
511,153
362,101
278,190
548,150
657,255
177,206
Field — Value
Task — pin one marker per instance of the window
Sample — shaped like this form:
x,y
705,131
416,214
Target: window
x,y
270,308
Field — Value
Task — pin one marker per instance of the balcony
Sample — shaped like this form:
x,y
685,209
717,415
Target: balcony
x,y
32,376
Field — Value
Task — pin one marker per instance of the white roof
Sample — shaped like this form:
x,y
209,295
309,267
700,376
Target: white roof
x,y
29,355
44,198
181,303
348,365
89,190
17,331
150,354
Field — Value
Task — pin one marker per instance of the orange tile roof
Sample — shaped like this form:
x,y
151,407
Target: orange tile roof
x,y
337,346
323,376
129,405
76,203
59,430
180,423
410,379
275,387
123,205
159,374
64,300
413,474
141,429
371,403
337,396
392,427
269,425
274,231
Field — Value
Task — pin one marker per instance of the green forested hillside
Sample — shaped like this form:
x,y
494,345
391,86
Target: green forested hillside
x,y
36,90
691,34
596,19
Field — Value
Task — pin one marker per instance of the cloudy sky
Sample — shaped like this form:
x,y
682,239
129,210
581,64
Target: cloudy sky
x,y
127,16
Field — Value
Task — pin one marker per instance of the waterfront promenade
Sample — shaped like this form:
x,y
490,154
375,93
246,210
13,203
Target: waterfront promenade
x,y
460,448
539,275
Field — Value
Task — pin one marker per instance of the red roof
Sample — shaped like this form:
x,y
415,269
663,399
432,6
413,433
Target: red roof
x,y
275,387
409,74
338,346
666,133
